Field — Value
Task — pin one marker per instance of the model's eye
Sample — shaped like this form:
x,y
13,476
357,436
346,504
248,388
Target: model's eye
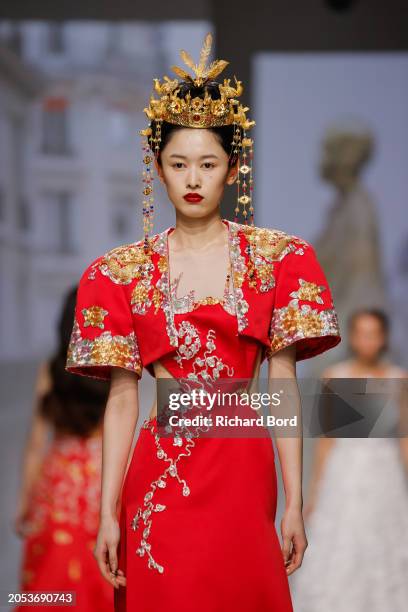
x,y
178,165
209,165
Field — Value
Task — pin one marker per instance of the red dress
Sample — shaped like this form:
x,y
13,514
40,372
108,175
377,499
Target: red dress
x,y
63,525
197,514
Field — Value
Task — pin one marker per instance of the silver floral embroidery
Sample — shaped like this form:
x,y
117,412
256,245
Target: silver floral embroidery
x,y
191,344
239,267
211,366
149,506
187,303
160,246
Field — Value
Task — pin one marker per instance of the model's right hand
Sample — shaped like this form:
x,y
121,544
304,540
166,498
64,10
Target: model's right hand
x,y
19,521
105,552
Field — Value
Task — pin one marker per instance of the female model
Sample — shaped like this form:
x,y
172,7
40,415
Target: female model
x,y
58,504
204,300
357,510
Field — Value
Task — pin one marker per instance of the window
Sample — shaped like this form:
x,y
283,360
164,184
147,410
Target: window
x,y
56,41
23,213
123,217
58,226
55,127
122,131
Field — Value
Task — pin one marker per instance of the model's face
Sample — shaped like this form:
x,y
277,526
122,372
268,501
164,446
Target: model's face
x,y
194,162
367,337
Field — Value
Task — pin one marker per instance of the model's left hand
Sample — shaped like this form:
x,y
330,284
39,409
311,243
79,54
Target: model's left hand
x,y
293,538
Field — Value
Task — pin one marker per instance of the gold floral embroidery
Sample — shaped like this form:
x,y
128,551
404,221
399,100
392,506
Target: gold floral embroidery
x,y
157,299
270,244
292,323
94,316
264,246
308,291
74,570
162,264
251,261
105,349
60,536
140,294
125,263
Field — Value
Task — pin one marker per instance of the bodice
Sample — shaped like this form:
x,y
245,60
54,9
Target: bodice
x,y
128,315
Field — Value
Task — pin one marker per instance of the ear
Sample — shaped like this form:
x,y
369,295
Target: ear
x,y
159,170
232,174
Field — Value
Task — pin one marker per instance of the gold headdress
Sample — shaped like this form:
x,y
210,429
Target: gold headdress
x,y
198,112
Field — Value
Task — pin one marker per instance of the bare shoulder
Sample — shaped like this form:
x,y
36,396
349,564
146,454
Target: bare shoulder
x,y
395,371
337,370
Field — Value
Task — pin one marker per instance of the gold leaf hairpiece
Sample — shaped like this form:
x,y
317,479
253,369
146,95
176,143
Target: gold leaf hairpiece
x,y
204,54
201,71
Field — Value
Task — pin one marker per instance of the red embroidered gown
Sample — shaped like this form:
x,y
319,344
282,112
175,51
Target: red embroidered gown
x,y
197,514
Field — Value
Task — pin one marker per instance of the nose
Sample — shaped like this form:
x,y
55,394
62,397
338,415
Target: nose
x,y
193,179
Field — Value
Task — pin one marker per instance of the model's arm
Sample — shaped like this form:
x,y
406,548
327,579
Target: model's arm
x,y
282,365
402,400
120,419
34,450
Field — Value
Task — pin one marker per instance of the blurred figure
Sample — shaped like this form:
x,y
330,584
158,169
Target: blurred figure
x,y
357,508
58,504
349,246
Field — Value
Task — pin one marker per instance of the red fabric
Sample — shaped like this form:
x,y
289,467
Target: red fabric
x,y
219,545
63,525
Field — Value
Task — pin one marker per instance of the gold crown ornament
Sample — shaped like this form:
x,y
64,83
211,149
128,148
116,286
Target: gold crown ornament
x,y
198,112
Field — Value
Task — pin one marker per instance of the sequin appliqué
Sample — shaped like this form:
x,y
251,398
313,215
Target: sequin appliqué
x,y
105,349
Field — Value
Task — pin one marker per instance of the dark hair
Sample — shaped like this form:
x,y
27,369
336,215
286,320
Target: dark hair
x,y
74,404
378,314
224,133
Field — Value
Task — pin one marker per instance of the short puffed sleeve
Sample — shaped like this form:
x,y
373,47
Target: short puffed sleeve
x,y
103,333
303,311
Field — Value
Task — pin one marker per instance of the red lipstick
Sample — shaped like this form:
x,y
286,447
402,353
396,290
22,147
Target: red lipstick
x,y
193,197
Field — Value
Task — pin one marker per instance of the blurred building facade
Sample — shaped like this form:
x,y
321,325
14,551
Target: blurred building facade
x,y
71,110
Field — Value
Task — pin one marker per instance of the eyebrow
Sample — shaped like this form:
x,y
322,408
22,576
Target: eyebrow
x,y
202,156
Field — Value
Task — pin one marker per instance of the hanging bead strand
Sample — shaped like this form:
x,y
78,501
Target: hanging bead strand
x,y
251,182
244,169
148,200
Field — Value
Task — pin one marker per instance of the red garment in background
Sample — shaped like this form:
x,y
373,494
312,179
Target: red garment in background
x,y
63,524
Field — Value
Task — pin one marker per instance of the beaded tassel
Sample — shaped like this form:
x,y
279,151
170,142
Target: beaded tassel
x,y
244,169
148,208
251,181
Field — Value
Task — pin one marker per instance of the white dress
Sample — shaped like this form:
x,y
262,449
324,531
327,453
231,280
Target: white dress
x,y
357,558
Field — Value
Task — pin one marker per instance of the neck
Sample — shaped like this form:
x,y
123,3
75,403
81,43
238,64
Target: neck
x,y
347,186
367,363
197,234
